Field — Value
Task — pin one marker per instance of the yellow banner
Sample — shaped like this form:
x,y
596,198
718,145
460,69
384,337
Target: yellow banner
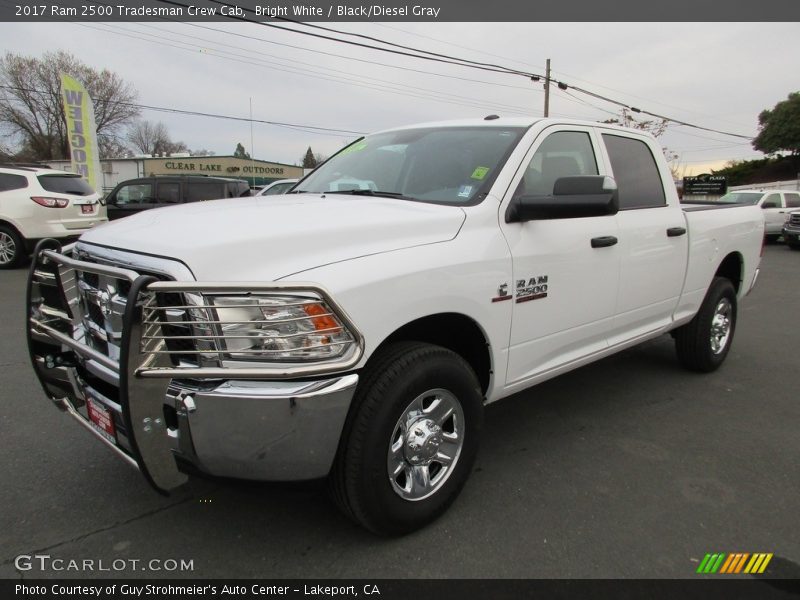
x,y
82,131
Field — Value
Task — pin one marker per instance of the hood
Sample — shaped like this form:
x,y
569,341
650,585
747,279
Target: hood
x,y
265,238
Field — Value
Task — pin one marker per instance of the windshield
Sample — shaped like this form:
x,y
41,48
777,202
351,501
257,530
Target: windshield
x,y
741,198
66,184
445,165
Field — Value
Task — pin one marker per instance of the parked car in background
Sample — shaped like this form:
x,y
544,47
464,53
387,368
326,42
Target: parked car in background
x,y
135,195
39,202
774,204
791,231
277,187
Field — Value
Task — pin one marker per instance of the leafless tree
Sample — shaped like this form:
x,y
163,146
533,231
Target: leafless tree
x,y
31,110
152,138
147,136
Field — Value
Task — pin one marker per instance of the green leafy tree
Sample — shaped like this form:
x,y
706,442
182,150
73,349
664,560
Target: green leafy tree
x,y
309,160
240,152
779,128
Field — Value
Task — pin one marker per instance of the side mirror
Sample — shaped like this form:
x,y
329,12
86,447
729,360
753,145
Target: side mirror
x,y
769,205
572,198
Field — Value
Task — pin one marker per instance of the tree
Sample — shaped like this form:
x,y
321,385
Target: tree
x,y
31,110
240,152
152,138
309,160
779,128
114,147
147,136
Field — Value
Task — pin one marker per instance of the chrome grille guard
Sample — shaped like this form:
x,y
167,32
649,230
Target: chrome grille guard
x,y
65,339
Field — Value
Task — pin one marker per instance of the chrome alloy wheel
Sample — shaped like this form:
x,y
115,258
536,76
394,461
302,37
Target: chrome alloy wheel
x,y
721,325
8,248
425,444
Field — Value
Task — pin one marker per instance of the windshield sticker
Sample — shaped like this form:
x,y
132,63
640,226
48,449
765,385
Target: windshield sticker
x,y
354,148
464,191
480,172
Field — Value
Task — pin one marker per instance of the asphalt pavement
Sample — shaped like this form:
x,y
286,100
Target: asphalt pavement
x,y
629,467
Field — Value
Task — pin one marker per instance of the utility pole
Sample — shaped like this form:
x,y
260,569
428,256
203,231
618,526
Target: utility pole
x,y
547,90
252,148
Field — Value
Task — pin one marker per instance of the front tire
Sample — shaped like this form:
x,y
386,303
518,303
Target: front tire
x,y
703,343
12,248
411,438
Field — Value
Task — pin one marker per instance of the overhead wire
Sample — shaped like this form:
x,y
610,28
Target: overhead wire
x,y
568,75
427,55
305,128
382,84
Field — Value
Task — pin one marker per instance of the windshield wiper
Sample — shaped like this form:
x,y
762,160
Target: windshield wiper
x,y
374,193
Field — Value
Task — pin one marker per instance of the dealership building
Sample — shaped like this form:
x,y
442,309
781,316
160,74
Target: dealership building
x,y
255,172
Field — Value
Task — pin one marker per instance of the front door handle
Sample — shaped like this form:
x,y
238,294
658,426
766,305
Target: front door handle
x,y
604,241
676,231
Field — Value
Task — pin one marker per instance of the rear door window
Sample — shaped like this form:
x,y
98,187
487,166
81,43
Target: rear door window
x,y
9,181
772,201
169,192
205,191
636,173
792,200
66,184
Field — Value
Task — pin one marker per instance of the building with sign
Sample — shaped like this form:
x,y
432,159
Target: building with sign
x,y
255,172
704,187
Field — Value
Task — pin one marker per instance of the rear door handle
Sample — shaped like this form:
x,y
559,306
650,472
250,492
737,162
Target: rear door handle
x,y
676,231
604,241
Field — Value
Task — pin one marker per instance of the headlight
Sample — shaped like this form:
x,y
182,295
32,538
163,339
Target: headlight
x,y
279,329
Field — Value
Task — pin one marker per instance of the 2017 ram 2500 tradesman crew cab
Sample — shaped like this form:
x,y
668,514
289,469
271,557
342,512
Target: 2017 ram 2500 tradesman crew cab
x,y
356,327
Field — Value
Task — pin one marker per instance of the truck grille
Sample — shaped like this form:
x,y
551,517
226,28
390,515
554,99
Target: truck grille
x,y
794,219
90,308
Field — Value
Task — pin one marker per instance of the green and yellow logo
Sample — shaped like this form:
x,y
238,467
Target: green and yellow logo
x,y
736,562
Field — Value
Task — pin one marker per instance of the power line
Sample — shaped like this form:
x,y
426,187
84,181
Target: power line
x,y
341,41
540,67
421,54
394,45
324,53
406,90
306,128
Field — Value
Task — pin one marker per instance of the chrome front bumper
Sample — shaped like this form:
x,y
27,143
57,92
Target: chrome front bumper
x,y
245,426
271,431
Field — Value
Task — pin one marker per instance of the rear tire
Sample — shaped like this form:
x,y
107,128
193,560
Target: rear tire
x,y
703,343
12,248
410,440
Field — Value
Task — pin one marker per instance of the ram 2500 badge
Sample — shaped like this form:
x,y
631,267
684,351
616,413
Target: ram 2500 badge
x,y
355,328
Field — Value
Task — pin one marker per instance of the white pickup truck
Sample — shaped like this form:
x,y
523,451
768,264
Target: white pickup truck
x,y
355,328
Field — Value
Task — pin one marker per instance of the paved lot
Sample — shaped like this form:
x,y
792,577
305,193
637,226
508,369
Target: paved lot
x,y
630,467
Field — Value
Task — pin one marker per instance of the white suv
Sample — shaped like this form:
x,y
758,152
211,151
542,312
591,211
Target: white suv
x,y
776,204
36,203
